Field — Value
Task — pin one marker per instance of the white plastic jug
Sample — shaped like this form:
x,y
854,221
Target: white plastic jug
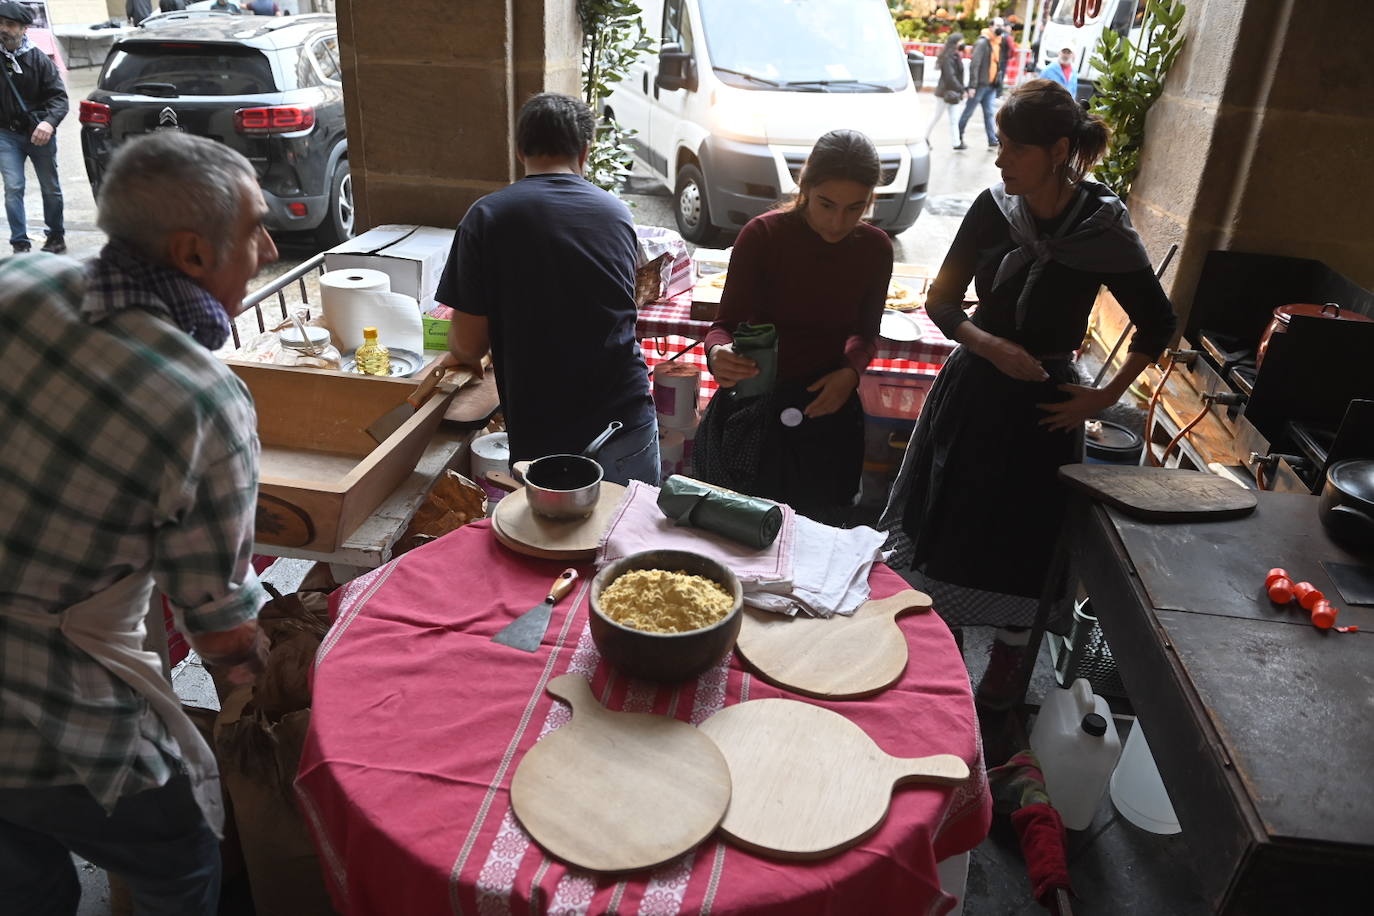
x,y
1078,747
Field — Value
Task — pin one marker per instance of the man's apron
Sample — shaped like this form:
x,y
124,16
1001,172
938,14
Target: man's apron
x,y
109,627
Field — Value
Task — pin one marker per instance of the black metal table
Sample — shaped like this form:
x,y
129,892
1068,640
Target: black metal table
x,y
1262,726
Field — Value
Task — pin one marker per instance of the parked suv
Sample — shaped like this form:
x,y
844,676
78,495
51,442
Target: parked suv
x,y
268,87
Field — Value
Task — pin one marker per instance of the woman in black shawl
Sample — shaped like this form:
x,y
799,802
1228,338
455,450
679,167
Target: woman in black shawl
x,y
978,491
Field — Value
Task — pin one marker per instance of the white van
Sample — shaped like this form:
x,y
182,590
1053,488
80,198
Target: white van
x,y
740,90
1121,16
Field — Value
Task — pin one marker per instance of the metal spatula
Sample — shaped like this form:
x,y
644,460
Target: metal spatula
x,y
382,428
526,632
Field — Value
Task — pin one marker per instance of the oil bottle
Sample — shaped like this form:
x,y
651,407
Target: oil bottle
x,y
372,357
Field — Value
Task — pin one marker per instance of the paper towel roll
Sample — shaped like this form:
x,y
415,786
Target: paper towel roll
x,y
671,444
490,453
357,298
676,387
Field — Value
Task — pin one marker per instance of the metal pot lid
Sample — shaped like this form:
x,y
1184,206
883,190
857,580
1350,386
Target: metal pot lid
x,y
1310,310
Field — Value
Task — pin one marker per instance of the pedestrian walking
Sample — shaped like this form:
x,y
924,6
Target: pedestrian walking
x,y
1063,72
33,102
982,79
950,89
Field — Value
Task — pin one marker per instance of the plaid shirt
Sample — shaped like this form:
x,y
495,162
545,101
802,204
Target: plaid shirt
x,y
128,448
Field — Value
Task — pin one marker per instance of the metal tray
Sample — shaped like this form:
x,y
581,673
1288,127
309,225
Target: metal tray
x,y
404,363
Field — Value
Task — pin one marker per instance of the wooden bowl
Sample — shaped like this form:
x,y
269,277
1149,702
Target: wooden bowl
x,y
665,656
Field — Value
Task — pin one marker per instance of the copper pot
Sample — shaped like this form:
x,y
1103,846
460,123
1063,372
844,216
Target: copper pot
x,y
1279,323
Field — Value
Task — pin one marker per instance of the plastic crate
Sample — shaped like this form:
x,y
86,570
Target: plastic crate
x,y
894,395
1084,653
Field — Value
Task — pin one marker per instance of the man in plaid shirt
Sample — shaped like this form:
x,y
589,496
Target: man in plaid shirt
x,y
129,462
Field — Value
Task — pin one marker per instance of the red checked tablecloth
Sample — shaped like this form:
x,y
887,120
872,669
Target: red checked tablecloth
x,y
665,328
420,720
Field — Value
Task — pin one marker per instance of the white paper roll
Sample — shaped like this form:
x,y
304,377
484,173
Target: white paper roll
x,y
670,449
676,387
357,298
490,453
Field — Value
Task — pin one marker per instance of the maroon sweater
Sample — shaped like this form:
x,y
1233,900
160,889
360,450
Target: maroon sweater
x,y
826,299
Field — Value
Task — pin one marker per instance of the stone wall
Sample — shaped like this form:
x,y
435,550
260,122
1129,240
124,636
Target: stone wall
x,y
1262,141
431,97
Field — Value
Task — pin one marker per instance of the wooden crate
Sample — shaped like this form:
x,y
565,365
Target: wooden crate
x,y
322,475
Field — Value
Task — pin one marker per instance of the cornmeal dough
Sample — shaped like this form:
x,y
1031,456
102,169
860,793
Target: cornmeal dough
x,y
659,601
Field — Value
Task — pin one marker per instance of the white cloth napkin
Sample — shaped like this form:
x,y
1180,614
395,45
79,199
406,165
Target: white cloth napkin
x,y
830,568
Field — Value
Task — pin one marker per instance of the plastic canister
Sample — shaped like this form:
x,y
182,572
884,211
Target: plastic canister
x,y
1078,748
490,453
676,387
1137,790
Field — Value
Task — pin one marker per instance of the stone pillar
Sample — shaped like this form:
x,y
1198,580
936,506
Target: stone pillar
x,y
431,90
1262,140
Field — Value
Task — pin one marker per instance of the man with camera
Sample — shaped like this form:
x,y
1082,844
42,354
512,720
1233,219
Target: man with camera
x,y
33,102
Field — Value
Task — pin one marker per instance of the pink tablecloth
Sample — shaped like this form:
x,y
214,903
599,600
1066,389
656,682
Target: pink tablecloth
x,y
420,721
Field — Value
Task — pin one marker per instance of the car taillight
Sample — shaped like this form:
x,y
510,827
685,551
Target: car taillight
x,y
277,120
97,113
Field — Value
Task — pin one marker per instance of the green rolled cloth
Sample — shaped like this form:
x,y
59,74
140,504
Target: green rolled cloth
x,y
746,519
759,342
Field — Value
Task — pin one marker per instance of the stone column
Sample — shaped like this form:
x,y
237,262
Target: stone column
x,y
431,90
1262,140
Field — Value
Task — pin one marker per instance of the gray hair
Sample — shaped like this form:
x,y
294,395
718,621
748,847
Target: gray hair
x,y
167,182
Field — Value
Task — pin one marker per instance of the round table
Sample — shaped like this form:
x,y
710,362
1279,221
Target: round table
x,y
419,721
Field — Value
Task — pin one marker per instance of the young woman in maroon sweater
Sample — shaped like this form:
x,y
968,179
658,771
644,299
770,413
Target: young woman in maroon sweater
x,y
818,274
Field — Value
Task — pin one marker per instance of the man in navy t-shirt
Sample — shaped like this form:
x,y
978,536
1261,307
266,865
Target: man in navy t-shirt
x,y
542,273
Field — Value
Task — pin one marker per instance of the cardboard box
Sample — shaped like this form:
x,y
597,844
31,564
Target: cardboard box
x,y
436,332
413,256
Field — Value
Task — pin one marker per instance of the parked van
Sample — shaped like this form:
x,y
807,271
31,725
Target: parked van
x,y
1121,16
740,90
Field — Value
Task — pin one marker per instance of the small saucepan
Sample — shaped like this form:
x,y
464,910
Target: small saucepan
x,y
565,486
1347,504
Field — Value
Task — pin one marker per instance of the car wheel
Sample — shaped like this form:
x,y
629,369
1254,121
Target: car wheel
x,y
338,222
690,207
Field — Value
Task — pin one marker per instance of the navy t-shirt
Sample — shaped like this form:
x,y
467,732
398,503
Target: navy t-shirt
x,y
550,262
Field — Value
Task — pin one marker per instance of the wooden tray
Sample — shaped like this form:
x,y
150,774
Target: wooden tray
x,y
806,782
833,658
549,539
618,791
322,475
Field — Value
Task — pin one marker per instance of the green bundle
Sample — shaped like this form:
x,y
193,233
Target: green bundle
x,y
746,519
758,342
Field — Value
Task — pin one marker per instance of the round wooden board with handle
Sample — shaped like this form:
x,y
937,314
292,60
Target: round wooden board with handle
x,y
806,782
618,791
521,530
833,658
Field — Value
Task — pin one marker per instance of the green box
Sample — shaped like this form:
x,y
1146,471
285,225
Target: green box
x,y
436,332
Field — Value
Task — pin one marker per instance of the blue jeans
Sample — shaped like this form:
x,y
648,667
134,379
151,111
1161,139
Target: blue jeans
x,y
985,98
156,840
14,149
632,455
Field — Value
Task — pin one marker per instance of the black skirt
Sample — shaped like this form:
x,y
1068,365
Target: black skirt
x,y
814,467
984,507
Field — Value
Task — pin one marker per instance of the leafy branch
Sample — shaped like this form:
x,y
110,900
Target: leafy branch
x,y
613,37
1131,78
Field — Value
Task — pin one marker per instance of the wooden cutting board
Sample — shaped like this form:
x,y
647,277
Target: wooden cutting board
x,y
619,791
1161,494
516,526
833,658
806,782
